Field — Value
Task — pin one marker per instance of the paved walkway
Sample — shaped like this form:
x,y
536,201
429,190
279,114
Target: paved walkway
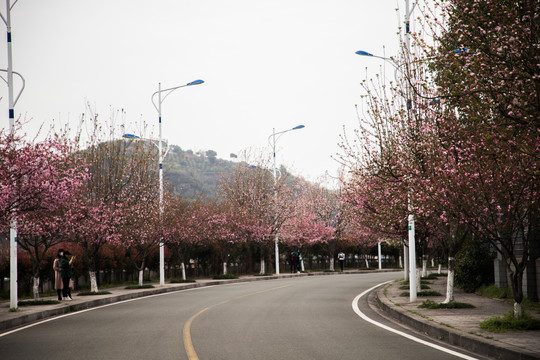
x,y
459,327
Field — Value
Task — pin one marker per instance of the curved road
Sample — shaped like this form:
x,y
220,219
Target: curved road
x,y
298,318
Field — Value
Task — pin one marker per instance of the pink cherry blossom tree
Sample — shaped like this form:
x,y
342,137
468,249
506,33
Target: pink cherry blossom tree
x,y
38,181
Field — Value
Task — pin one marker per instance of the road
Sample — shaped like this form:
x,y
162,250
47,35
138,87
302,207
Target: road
x,y
297,318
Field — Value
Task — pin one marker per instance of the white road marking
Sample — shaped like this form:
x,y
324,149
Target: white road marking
x,y
401,333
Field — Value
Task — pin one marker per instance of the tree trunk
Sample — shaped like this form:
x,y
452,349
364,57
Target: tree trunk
x,y
93,281
183,271
141,271
424,267
367,262
263,264
450,282
439,272
517,291
518,311
224,268
141,276
331,263
36,287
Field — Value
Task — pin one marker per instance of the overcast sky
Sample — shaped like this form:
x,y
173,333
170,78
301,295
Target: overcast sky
x,y
266,64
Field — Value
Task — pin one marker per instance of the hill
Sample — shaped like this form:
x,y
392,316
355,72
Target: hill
x,y
194,174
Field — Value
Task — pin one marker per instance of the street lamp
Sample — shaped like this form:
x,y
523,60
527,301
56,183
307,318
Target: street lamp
x,y
161,157
411,230
409,88
13,284
274,139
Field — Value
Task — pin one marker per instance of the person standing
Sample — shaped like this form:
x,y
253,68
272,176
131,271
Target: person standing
x,y
58,285
341,258
291,261
67,273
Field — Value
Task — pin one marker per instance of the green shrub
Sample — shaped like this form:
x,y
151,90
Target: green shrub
x,y
225,276
474,265
494,292
433,276
181,281
91,293
430,304
422,293
134,287
509,323
38,302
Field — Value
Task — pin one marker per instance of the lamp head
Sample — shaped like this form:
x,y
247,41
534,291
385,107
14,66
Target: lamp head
x,y
298,127
130,136
195,82
363,53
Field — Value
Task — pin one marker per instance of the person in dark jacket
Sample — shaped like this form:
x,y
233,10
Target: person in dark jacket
x,y
66,272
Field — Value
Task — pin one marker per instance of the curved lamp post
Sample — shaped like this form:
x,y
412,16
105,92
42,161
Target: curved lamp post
x,y
273,143
161,157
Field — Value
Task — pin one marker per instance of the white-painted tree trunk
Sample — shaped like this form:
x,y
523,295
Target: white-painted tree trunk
x,y
418,281
367,262
450,282
141,277
439,272
263,266
331,264
302,265
224,268
432,262
518,311
93,281
183,271
36,288
424,267
400,262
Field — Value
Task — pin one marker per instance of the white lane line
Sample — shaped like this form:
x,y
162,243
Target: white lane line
x,y
401,333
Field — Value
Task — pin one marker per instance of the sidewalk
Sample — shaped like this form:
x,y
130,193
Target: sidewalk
x,y
460,327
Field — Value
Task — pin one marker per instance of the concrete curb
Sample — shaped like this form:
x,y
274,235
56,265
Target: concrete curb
x,y
478,345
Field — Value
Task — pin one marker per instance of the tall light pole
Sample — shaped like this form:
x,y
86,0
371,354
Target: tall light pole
x,y
408,92
11,103
274,139
161,157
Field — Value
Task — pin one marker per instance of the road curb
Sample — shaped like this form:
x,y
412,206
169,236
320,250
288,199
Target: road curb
x,y
480,346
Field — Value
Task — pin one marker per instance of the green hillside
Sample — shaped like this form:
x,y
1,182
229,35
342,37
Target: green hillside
x,y
192,175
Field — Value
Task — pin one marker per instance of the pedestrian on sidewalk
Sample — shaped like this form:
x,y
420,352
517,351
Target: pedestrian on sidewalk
x,y
341,258
58,285
67,273
293,259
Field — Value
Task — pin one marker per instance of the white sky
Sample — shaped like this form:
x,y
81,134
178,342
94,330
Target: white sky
x,y
266,64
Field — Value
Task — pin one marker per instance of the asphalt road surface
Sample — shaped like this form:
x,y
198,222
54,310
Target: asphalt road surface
x,y
296,318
